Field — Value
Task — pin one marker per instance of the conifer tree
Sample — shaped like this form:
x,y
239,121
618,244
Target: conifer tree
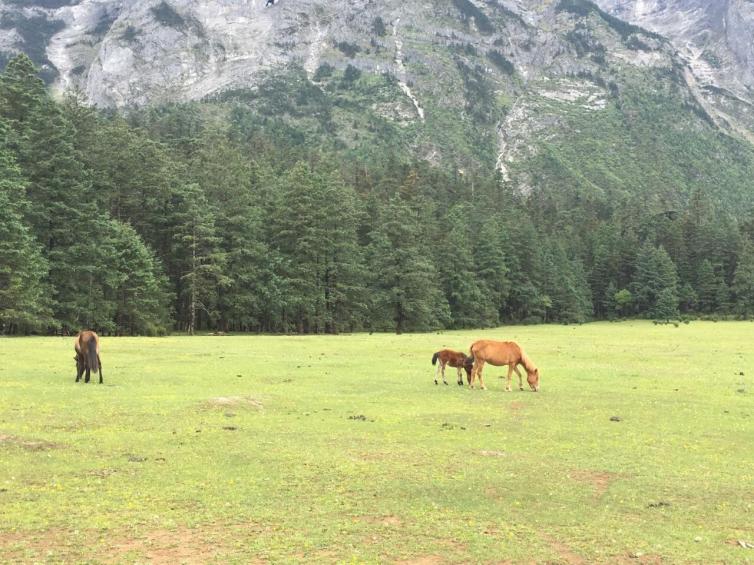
x,y
471,305
405,291
743,282
198,260
24,303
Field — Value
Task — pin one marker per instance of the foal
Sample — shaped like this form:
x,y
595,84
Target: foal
x,y
454,359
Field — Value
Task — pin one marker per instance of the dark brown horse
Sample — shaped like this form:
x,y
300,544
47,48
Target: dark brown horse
x,y
501,353
87,355
454,359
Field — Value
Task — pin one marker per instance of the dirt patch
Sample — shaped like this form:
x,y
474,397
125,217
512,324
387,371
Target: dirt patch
x,y
16,546
206,543
27,444
182,545
600,480
492,453
632,558
423,560
565,553
388,520
235,402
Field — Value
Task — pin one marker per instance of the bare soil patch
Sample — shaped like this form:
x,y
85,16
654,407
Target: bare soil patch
x,y
235,402
599,480
565,553
423,560
15,546
388,520
28,444
182,545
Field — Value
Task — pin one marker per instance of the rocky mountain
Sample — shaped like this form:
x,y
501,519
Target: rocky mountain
x,y
527,87
716,41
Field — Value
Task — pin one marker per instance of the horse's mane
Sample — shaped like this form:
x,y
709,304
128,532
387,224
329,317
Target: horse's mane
x,y
530,367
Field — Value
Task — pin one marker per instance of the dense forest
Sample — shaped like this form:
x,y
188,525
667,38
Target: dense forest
x,y
194,217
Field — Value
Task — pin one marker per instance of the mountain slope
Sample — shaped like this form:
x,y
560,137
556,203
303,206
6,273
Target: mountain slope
x,y
559,94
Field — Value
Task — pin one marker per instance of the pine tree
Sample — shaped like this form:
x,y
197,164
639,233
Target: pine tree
x,y
198,261
316,235
491,265
743,282
471,305
527,300
666,306
707,283
21,92
566,286
24,303
344,280
65,219
655,273
404,288
141,296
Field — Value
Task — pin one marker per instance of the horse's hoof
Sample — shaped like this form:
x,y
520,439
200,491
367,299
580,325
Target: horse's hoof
x,y
435,382
521,388
446,384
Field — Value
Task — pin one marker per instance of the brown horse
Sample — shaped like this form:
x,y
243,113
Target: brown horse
x,y
454,359
87,355
501,353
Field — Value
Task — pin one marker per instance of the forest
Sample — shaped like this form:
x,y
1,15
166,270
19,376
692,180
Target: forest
x,y
191,217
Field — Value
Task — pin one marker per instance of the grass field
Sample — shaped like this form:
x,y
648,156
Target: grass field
x,y
341,449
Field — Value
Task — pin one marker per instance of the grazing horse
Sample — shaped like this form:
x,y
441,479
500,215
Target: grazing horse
x,y
87,355
454,359
501,353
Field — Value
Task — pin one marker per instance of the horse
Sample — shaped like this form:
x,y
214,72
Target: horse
x,y
87,355
501,353
454,359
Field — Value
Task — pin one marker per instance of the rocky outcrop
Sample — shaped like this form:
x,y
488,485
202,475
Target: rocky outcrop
x,y
492,72
715,40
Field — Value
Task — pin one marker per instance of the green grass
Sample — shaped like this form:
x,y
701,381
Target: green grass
x,y
143,469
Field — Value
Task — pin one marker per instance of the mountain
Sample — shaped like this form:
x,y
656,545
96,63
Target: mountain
x,y
647,99
714,39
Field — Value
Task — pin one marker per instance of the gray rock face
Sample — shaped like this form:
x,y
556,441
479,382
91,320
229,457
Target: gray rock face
x,y
716,36
123,52
526,58
716,39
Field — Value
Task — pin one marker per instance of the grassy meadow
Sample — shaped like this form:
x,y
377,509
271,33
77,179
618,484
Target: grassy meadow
x,y
341,449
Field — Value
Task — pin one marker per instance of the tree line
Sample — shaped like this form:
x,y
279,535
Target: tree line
x,y
192,217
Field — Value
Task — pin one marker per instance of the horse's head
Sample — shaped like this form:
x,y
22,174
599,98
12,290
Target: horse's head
x,y
533,378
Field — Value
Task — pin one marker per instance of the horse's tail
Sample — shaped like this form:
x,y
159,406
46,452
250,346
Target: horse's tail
x,y
93,358
434,357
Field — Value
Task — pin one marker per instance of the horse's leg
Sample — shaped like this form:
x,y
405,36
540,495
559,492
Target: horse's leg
x,y
510,372
481,380
474,370
443,373
79,370
99,361
437,371
520,378
86,379
460,376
